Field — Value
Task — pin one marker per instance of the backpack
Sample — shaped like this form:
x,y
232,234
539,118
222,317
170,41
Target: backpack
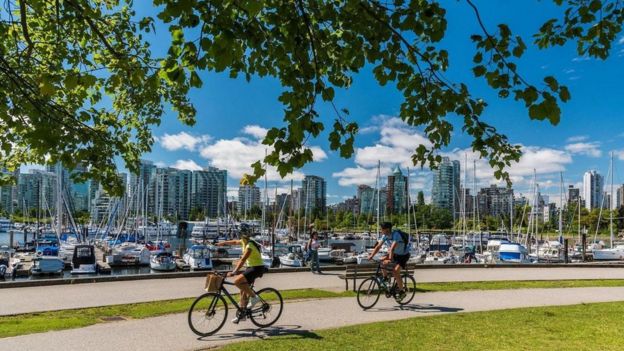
x,y
405,237
256,244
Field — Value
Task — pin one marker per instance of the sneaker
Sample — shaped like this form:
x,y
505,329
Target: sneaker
x,y
401,295
239,319
253,301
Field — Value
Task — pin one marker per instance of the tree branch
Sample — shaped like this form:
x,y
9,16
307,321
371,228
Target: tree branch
x,y
24,24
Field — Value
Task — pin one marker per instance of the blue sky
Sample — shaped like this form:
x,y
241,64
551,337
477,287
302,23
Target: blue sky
x,y
233,113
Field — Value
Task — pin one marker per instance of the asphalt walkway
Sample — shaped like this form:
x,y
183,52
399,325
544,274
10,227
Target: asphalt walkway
x,y
171,332
57,297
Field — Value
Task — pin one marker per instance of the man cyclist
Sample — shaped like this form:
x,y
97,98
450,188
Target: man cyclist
x,y
255,269
398,254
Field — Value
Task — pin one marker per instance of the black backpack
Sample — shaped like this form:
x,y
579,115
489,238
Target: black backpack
x,y
405,237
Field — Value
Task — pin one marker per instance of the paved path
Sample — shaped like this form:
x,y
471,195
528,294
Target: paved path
x,y
172,333
57,297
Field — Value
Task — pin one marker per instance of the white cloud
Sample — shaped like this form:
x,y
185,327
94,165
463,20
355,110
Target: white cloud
x,y
188,165
619,154
581,58
621,41
577,138
182,140
255,131
591,149
569,71
354,176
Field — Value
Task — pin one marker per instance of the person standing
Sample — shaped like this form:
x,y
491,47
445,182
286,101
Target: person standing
x,y
313,246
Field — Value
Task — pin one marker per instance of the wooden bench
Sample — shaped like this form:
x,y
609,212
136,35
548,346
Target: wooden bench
x,y
354,272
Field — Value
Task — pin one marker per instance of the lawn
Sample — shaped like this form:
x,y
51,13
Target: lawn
x,y
579,327
30,323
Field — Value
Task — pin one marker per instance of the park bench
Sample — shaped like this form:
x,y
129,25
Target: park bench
x,y
353,272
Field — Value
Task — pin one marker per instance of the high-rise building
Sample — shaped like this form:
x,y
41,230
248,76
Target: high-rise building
x,y
37,191
209,191
495,201
396,203
140,184
370,200
282,202
314,191
8,193
619,196
593,184
573,196
248,197
446,187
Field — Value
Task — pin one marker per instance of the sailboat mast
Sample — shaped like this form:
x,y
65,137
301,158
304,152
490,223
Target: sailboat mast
x,y
378,194
59,200
561,209
610,203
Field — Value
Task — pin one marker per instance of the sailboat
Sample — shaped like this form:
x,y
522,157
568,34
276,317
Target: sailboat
x,y
47,260
616,251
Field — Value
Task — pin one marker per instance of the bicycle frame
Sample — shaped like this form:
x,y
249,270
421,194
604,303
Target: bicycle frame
x,y
224,292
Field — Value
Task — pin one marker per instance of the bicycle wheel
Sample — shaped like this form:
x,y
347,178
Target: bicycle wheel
x,y
269,309
207,314
409,283
368,293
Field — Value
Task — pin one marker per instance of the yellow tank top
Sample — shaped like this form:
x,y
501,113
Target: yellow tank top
x,y
254,259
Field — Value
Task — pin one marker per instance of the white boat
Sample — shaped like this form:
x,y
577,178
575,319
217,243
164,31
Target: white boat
x,y
323,254
438,257
294,257
612,254
550,251
83,260
162,261
198,257
208,230
513,253
47,265
129,253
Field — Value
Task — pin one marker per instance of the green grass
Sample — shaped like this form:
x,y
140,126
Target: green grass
x,y
578,327
67,319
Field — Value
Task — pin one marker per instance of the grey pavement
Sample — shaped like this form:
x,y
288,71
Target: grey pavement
x,y
57,297
171,332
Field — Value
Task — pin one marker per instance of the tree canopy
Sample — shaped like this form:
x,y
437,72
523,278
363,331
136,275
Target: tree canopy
x,y
79,84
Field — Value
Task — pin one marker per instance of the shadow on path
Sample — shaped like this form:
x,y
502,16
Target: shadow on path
x,y
294,331
421,308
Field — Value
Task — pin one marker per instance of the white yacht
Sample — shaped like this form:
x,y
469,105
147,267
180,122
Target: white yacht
x,y
162,261
198,257
83,260
513,253
129,253
294,257
47,265
614,253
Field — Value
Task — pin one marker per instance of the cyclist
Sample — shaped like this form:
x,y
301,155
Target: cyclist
x,y
398,254
255,269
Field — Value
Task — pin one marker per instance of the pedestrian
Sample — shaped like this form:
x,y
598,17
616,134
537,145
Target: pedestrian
x,y
313,246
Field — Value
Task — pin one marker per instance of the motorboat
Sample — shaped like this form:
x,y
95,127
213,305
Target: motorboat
x,y
47,265
198,257
162,261
129,253
550,251
83,260
438,257
294,257
513,253
611,254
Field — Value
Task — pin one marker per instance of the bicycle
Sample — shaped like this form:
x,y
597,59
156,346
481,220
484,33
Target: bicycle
x,y
371,288
212,307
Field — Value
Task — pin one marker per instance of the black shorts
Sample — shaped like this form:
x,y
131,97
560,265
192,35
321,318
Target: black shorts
x,y
251,273
401,260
